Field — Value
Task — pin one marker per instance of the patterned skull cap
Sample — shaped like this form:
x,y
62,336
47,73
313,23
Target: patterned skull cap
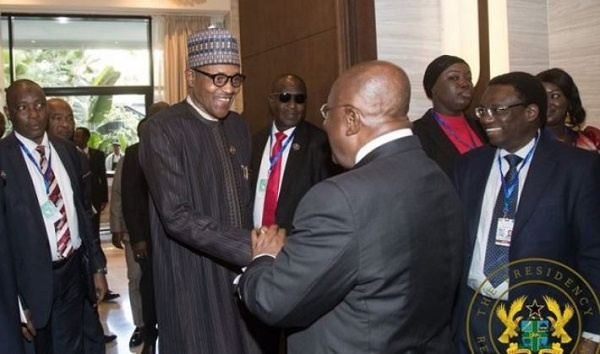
x,y
212,46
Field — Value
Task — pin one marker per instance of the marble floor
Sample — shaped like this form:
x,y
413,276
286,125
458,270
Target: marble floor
x,y
116,314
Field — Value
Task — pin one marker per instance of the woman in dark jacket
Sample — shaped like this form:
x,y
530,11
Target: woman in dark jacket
x,y
444,130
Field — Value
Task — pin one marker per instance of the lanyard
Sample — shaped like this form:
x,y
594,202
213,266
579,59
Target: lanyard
x,y
509,187
451,131
273,159
45,177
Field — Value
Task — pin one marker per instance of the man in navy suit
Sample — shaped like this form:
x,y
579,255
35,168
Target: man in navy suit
x,y
305,156
10,330
49,231
555,189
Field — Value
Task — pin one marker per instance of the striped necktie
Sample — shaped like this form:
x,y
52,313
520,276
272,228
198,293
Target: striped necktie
x,y
63,234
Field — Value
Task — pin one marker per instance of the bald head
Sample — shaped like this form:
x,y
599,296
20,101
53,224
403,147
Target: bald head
x,y
26,109
287,101
61,122
366,101
156,107
381,90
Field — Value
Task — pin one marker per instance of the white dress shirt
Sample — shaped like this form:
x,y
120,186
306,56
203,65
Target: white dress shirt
x,y
265,166
494,183
380,140
64,183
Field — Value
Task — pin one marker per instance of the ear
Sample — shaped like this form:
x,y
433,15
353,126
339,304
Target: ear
x,y
7,113
532,113
352,117
190,77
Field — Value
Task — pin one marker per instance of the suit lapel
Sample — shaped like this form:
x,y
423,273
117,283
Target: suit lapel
x,y
540,172
439,137
66,160
22,177
295,158
475,189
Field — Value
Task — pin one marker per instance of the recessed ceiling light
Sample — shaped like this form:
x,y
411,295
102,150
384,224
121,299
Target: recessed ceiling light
x,y
62,20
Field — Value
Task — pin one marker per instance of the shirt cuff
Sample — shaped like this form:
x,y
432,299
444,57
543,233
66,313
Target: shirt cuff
x,y
21,312
591,336
236,281
264,254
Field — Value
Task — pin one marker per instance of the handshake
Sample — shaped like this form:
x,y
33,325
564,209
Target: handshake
x,y
267,241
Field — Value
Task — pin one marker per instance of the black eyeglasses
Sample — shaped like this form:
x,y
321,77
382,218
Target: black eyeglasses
x,y
285,97
220,79
496,112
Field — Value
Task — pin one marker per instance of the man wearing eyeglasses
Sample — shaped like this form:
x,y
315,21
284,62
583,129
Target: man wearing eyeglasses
x,y
526,196
288,157
375,254
195,157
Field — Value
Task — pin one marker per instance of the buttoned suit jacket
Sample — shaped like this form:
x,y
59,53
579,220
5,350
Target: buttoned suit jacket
x,y
436,143
558,215
26,229
309,162
98,183
134,196
368,268
10,329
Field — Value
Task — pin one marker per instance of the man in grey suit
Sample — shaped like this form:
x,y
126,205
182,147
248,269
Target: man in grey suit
x,y
374,259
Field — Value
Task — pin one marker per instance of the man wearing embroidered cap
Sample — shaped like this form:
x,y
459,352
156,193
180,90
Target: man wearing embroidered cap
x,y
194,155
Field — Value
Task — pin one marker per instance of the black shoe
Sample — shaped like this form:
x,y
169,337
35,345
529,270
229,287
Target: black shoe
x,y
109,338
111,296
136,338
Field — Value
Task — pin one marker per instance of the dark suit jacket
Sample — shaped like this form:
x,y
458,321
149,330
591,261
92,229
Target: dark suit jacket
x,y
436,143
308,164
134,196
10,329
98,184
368,268
26,230
558,215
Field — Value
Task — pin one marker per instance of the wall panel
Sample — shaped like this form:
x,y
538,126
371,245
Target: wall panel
x,y
287,36
574,45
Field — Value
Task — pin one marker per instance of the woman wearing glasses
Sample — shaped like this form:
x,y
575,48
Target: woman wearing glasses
x,y
444,130
564,107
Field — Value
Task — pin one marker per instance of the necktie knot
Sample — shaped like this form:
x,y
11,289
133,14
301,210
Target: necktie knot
x,y
41,149
513,160
280,136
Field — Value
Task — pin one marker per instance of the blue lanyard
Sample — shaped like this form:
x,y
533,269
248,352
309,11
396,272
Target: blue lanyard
x,y
46,176
451,131
509,187
273,159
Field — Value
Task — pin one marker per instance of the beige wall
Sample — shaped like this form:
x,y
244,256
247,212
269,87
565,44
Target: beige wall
x,y
537,34
574,45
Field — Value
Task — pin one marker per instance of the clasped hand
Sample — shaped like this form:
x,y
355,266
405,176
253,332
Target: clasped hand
x,y
267,240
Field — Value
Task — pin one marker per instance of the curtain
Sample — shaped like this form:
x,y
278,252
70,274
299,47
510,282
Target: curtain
x,y
158,58
176,31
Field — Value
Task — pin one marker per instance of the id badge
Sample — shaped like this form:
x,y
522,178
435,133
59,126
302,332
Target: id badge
x,y
504,231
50,212
262,185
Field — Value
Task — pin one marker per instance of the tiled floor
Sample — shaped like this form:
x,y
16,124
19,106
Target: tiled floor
x,y
116,315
